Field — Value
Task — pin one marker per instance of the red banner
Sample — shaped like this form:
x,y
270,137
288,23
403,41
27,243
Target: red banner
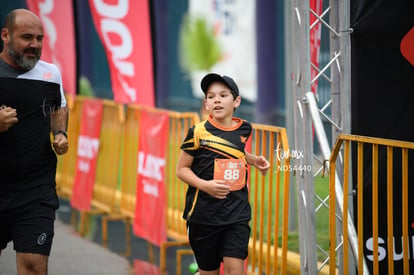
x,y
88,147
146,268
149,222
315,40
124,29
59,38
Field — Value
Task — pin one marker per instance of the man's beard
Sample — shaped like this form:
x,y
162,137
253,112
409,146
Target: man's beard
x,y
21,60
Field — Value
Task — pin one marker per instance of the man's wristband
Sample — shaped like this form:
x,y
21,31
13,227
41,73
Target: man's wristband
x,y
63,132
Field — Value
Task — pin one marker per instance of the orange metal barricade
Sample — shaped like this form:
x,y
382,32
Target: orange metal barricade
x,y
175,190
179,123
130,162
269,214
128,177
130,151
104,199
66,166
108,162
345,141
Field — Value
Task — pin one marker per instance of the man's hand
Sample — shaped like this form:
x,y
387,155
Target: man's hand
x,y
60,144
59,123
8,117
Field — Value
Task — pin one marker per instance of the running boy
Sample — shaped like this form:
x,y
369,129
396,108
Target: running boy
x,y
213,164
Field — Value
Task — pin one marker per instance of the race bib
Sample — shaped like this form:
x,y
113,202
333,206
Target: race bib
x,y
232,171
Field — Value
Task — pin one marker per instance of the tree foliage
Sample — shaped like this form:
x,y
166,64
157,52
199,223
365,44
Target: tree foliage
x,y
199,47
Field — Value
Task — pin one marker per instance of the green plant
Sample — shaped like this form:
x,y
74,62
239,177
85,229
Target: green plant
x,y
199,48
85,88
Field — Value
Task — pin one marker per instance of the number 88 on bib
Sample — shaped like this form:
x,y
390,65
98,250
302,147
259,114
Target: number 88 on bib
x,y
232,171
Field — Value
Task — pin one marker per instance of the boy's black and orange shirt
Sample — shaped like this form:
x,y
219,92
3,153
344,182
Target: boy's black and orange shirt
x,y
206,142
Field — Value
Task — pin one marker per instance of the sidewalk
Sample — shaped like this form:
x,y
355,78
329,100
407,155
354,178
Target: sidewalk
x,y
72,254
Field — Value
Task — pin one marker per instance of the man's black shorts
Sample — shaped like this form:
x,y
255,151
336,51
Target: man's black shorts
x,y
211,243
31,229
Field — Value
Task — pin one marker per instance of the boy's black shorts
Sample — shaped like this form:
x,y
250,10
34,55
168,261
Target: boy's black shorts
x,y
211,243
31,229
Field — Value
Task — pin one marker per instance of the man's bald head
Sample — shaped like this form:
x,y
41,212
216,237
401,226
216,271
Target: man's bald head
x,y
14,16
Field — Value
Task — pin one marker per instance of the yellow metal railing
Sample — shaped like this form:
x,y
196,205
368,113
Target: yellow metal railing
x,y
175,190
126,190
66,166
269,214
130,162
179,123
106,180
345,142
104,199
108,162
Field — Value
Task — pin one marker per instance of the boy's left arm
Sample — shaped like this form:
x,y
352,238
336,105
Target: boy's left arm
x,y
260,162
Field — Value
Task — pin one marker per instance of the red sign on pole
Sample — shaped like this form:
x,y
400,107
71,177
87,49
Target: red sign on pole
x,y
149,222
124,29
88,147
146,268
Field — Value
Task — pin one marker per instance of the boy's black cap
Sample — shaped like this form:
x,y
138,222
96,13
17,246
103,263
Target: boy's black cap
x,y
212,77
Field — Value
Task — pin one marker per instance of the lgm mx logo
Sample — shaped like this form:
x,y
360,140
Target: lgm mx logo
x,y
407,46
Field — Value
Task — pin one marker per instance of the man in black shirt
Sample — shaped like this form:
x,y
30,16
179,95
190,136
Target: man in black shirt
x,y
32,105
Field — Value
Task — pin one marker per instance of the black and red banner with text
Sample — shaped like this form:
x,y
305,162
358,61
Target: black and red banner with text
x,y
382,96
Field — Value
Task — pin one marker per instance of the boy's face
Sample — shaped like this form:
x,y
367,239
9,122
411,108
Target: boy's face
x,y
220,102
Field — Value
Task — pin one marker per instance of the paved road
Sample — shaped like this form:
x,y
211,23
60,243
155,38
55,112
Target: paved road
x,y
72,254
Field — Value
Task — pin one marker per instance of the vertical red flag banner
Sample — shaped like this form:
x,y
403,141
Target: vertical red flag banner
x,y
315,40
149,222
124,29
59,37
88,147
145,268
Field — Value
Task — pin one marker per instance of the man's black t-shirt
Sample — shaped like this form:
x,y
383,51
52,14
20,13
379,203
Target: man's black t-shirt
x,y
27,160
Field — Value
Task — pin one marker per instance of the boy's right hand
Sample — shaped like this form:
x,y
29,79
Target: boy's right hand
x,y
8,117
216,189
